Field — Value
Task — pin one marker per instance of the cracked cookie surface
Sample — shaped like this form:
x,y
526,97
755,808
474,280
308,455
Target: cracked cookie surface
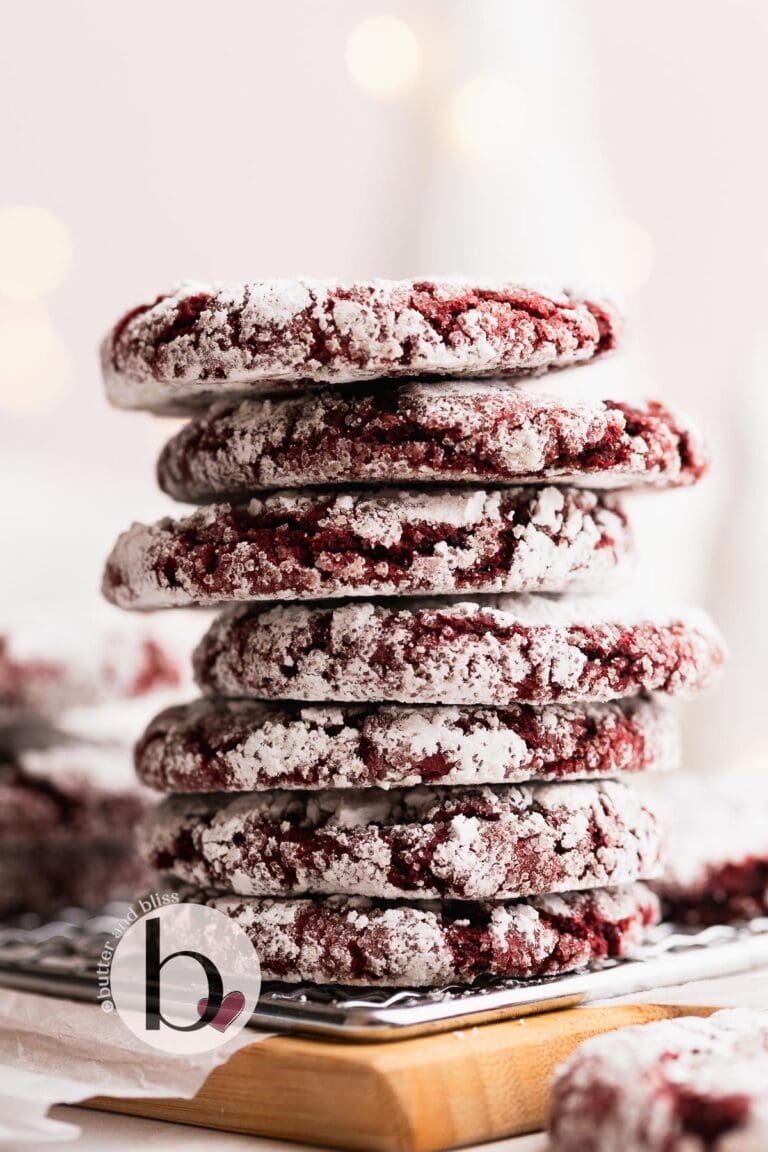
x,y
495,650
463,843
358,941
314,545
200,342
448,432
247,745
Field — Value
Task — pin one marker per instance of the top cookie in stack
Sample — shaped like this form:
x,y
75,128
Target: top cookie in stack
x,y
211,342
371,441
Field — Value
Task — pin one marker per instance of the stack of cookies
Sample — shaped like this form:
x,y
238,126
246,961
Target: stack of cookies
x,y
405,768
68,799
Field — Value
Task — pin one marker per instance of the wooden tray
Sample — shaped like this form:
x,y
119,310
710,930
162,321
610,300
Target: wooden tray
x,y
420,1095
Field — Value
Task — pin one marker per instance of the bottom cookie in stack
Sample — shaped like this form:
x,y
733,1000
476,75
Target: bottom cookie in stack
x,y
355,940
67,818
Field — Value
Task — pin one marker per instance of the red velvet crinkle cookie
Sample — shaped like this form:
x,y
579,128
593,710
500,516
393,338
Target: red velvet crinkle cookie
x,y
314,545
687,1085
47,667
357,941
715,863
531,649
205,341
485,843
248,745
420,432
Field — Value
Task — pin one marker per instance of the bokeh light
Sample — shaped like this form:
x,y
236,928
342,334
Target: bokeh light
x,y
383,56
34,367
35,251
485,118
627,253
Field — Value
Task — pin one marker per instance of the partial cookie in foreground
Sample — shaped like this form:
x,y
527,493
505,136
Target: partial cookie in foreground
x,y
201,342
316,545
488,843
357,941
532,649
687,1085
49,665
448,432
247,745
715,862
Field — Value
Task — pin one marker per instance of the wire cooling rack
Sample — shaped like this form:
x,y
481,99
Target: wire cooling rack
x,y
58,957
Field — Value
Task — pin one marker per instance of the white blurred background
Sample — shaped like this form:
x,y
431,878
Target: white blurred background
x,y
613,144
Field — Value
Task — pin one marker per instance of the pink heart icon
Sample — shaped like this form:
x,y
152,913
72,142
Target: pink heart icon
x,y
231,1007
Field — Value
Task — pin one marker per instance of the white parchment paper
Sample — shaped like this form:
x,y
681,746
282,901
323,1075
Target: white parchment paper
x,y
747,989
61,1052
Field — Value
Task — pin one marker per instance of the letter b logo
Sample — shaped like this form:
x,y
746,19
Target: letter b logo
x,y
185,978
153,969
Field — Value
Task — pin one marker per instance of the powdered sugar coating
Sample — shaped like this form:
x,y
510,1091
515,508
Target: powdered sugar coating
x,y
205,341
686,1085
426,432
245,745
716,847
484,843
315,545
47,667
534,649
357,941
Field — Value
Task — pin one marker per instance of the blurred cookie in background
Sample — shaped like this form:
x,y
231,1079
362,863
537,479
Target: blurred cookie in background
x,y
67,816
74,692
715,856
51,664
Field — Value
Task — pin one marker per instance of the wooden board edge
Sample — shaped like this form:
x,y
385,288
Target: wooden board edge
x,y
420,1095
